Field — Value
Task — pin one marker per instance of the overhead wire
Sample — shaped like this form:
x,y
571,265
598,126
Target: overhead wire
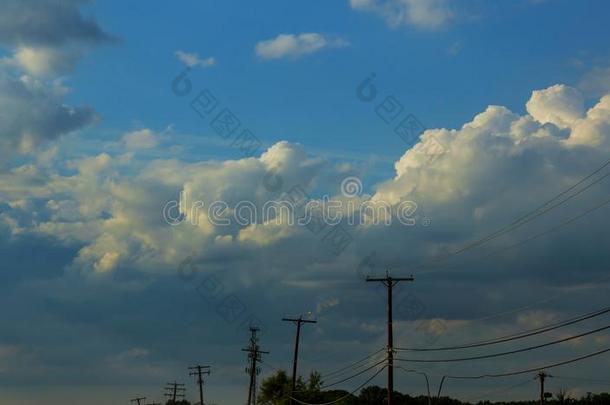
x,y
354,375
352,365
528,217
553,229
514,336
583,379
420,373
489,356
529,370
500,390
345,396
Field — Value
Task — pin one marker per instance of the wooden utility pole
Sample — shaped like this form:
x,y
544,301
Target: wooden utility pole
x,y
138,400
390,282
542,376
297,321
254,356
175,390
198,371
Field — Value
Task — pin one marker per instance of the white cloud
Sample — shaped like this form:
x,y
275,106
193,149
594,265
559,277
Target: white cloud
x,y
191,59
43,61
560,105
107,211
116,217
426,14
141,139
295,46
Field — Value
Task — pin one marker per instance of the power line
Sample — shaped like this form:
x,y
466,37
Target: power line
x,y
529,370
420,373
489,356
345,396
583,379
352,365
515,336
528,217
270,365
522,242
499,391
535,368
344,370
355,375
559,226
533,217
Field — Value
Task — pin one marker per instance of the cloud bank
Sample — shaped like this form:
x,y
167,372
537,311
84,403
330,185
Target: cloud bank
x,y
113,267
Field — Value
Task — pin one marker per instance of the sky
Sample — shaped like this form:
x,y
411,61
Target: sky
x,y
133,140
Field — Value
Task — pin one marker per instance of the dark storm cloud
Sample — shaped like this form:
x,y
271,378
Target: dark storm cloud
x,y
47,22
31,114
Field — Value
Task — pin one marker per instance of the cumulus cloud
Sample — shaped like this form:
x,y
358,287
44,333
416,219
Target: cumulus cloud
x,y
118,218
106,214
560,105
31,113
191,59
47,22
295,46
43,61
426,14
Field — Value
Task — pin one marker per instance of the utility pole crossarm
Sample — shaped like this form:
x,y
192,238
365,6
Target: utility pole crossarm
x,y
199,371
254,356
298,322
390,282
137,400
301,320
389,279
542,376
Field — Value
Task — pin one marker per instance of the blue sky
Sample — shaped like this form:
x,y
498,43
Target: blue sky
x,y
488,53
505,50
94,144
